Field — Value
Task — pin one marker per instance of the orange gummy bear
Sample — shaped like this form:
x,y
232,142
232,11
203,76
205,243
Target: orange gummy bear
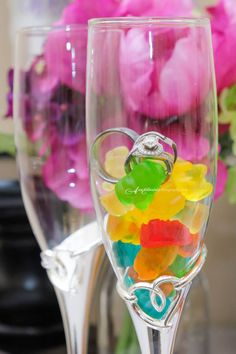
x,y
150,263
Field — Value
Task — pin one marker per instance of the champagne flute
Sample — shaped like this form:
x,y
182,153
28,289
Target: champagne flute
x,y
49,114
152,129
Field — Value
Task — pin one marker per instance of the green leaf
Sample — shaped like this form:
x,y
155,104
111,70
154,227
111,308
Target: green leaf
x,y
226,117
227,103
231,185
233,130
230,99
226,143
7,144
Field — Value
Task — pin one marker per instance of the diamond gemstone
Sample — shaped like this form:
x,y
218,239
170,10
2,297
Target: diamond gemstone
x,y
150,146
150,143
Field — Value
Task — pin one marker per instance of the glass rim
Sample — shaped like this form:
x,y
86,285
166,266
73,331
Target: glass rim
x,y
37,30
148,20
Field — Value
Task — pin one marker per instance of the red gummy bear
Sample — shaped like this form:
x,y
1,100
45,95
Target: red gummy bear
x,y
159,233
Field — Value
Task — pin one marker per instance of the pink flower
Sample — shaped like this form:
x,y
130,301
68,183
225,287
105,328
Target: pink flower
x,y
223,20
156,8
42,80
65,56
106,75
221,179
168,77
185,78
65,172
71,48
80,11
191,147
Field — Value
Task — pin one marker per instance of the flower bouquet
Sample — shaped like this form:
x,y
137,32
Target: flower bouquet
x,y
49,81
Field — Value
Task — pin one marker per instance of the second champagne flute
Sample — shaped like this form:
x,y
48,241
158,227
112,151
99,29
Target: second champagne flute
x,y
49,114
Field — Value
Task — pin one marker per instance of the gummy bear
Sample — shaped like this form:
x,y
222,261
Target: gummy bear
x,y
166,203
190,250
133,275
140,185
167,288
194,215
151,262
158,233
108,187
112,205
145,304
120,229
115,161
190,180
125,253
181,266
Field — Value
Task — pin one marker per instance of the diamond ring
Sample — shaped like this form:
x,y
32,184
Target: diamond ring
x,y
150,145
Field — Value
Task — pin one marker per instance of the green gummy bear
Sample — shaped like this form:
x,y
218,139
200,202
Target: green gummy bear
x,y
139,186
125,253
181,266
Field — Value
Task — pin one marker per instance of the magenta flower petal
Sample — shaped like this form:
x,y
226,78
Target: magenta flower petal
x,y
170,82
221,179
60,175
78,154
136,67
80,11
42,81
156,8
224,46
185,79
223,21
70,47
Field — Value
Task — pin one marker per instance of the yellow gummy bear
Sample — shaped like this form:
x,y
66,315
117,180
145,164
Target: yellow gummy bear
x,y
121,229
112,205
108,187
167,202
190,180
115,161
193,216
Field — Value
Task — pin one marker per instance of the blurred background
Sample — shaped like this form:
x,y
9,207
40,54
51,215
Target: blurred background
x,y
26,314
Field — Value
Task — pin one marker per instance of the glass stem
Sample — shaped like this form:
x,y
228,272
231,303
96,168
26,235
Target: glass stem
x,y
75,321
162,340
75,305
